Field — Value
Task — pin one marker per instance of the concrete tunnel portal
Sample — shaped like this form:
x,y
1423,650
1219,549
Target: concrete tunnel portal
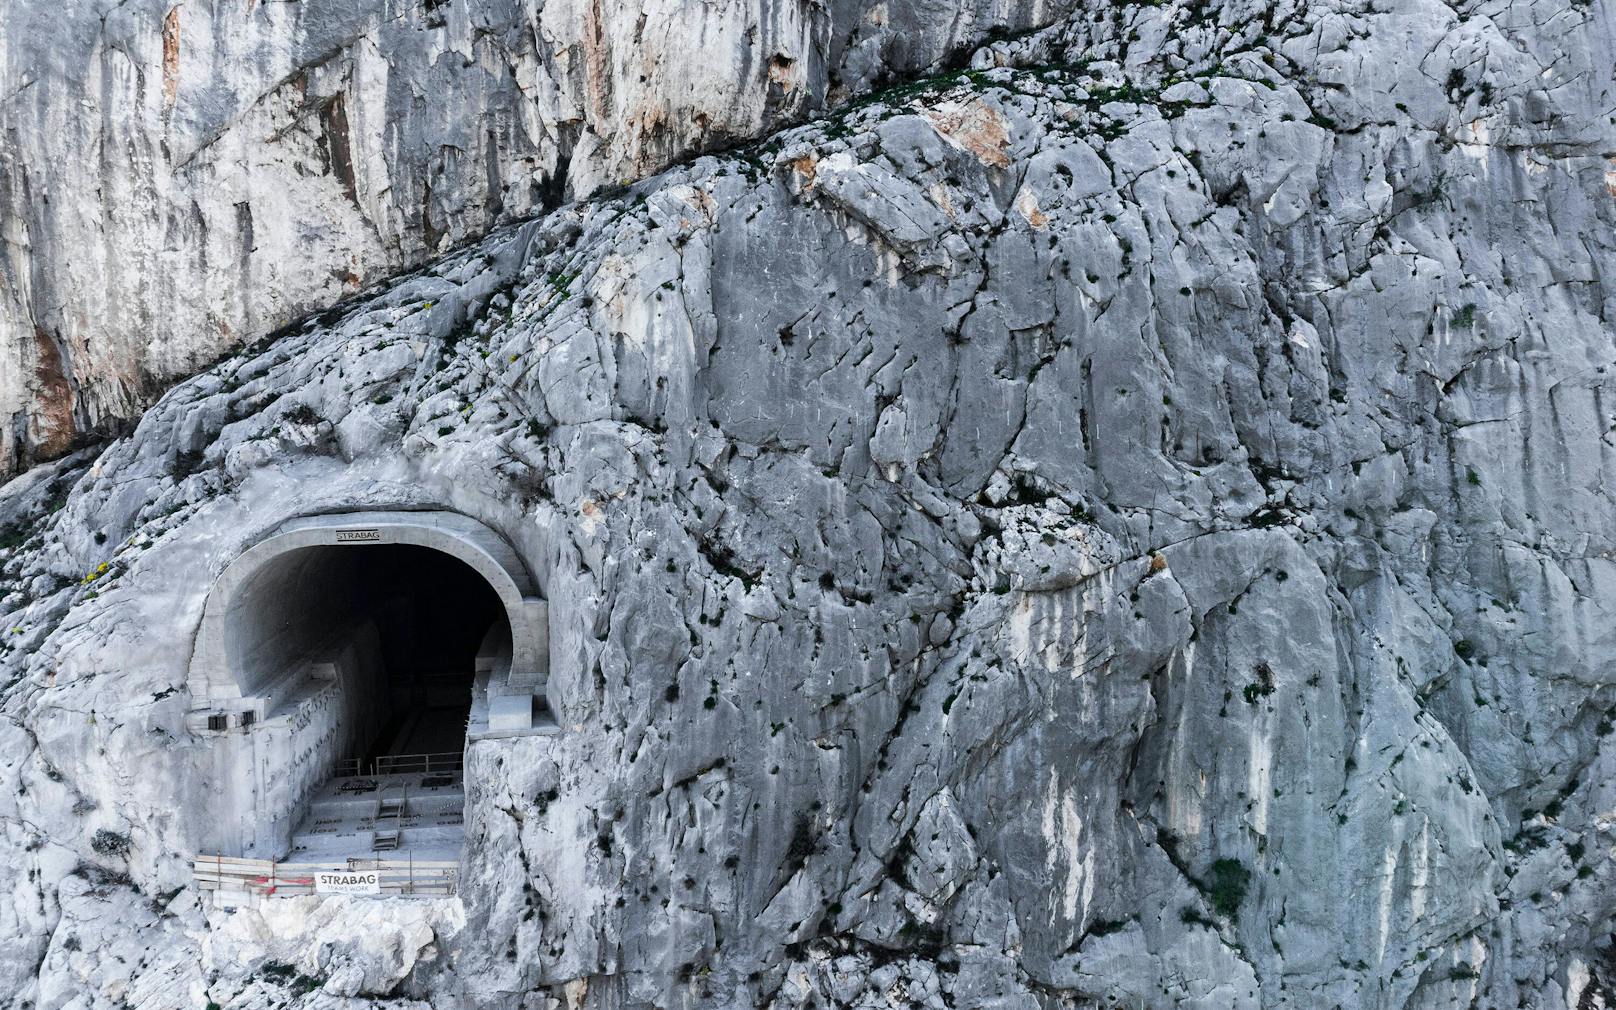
x,y
412,621
342,665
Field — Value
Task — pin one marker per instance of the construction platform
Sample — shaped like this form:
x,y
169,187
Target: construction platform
x,y
405,810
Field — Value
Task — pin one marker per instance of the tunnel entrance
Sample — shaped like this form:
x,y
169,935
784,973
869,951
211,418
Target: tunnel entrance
x,y
429,615
343,664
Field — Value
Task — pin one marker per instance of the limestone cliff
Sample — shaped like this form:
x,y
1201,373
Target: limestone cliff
x,y
1125,523
179,179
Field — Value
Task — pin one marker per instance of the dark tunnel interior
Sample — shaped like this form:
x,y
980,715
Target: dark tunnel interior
x,y
401,625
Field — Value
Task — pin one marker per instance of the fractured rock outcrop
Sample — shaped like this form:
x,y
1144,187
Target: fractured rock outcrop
x,y
1124,523
179,179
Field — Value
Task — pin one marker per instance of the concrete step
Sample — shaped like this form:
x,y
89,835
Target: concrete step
x,y
323,835
423,806
423,818
351,797
352,842
403,813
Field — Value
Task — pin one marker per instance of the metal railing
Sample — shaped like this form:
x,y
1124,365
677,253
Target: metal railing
x,y
400,764
269,878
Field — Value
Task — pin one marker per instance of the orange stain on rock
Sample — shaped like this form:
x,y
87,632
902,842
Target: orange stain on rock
x,y
807,166
974,126
1027,206
171,57
53,398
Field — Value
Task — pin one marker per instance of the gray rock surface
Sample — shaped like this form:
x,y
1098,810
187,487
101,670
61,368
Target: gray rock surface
x,y
179,179
1124,525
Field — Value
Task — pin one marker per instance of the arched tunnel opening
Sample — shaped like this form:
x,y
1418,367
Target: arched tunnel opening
x,y
370,658
344,664
400,626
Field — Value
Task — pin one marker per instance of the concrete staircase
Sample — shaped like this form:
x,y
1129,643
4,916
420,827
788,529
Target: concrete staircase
x,y
401,814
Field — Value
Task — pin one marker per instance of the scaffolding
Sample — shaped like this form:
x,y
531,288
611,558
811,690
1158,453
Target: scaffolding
x,y
270,878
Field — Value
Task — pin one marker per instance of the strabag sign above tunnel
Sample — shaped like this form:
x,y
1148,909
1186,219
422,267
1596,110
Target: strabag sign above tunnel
x,y
348,882
359,536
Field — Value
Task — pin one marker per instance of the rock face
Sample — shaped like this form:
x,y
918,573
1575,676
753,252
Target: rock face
x,y
1125,524
178,179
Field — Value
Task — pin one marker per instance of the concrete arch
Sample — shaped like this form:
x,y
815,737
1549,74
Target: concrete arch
x,y
221,677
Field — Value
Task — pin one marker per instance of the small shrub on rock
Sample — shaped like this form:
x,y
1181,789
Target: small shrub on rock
x,y
110,843
1225,885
